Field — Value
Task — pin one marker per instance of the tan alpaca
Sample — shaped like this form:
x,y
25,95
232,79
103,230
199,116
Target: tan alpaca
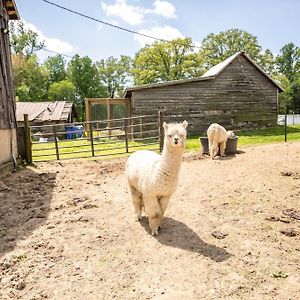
x,y
217,135
152,178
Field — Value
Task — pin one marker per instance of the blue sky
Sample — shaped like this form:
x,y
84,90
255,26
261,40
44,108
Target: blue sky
x,y
275,23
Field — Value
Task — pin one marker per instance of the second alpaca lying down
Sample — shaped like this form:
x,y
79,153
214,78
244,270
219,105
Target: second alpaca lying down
x,y
217,135
152,178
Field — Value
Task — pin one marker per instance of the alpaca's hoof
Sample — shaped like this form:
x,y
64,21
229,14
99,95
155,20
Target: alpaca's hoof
x,y
138,218
154,232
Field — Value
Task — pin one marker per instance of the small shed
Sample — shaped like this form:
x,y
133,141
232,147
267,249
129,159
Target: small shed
x,y
45,113
8,123
235,93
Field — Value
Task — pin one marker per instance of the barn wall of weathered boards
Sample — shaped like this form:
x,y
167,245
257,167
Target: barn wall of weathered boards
x,y
236,93
8,123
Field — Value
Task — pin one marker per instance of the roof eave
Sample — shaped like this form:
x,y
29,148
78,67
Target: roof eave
x,y
262,71
129,90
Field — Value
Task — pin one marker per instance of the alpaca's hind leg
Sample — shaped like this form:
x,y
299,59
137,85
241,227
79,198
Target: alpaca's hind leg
x,y
152,209
137,202
214,150
222,148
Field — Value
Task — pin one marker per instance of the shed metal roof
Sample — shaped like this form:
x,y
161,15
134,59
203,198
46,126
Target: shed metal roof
x,y
210,74
44,111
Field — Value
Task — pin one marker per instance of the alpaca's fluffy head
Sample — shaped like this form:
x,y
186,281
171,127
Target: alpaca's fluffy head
x,y
175,134
230,134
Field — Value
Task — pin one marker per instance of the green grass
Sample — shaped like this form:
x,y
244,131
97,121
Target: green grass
x,y
79,148
256,137
68,148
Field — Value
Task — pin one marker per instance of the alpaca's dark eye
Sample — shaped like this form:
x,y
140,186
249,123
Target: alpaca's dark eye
x,y
170,135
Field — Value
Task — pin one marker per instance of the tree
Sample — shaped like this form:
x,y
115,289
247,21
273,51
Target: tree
x,y
23,41
217,47
30,79
285,98
56,67
62,90
267,61
295,87
114,74
165,61
288,61
84,75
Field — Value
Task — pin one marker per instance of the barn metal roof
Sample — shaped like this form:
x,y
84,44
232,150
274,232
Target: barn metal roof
x,y
44,111
210,74
12,10
217,69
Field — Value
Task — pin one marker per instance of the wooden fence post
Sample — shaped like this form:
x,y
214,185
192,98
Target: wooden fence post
x,y
55,142
28,144
126,135
285,124
141,127
92,139
160,130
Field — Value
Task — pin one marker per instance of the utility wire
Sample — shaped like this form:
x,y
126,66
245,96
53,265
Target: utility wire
x,y
48,50
109,24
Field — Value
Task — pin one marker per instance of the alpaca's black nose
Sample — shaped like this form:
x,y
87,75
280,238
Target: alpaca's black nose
x,y
176,140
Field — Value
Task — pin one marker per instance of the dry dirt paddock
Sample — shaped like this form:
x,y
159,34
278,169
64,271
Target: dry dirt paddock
x,y
67,231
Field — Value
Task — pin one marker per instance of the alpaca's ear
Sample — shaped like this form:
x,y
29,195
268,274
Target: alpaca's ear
x,y
165,125
185,124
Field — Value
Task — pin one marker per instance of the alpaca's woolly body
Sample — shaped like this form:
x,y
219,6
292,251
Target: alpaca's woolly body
x,y
153,178
217,135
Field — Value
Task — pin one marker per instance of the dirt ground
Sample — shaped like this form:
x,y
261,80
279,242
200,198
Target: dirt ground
x,y
231,231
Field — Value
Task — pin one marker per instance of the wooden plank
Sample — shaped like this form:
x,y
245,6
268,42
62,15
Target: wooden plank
x,y
92,139
55,141
28,145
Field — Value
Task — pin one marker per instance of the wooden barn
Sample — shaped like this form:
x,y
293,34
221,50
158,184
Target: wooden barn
x,y
236,93
8,123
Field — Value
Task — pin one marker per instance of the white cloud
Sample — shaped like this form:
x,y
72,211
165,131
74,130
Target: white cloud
x,y
166,32
134,14
130,14
53,44
164,8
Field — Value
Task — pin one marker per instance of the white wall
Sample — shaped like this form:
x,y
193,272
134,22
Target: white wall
x,y
7,137
291,119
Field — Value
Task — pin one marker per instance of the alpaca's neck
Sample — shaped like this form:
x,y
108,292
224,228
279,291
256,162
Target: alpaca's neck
x,y
171,160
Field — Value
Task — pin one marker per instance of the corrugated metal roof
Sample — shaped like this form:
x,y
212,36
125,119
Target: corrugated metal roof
x,y
44,111
215,70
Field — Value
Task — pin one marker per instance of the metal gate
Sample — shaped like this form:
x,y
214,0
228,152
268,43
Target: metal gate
x,y
93,138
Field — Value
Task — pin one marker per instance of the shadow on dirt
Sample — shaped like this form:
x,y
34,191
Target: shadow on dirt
x,y
24,205
176,234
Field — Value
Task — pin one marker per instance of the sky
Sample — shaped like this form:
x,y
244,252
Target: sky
x,y
274,23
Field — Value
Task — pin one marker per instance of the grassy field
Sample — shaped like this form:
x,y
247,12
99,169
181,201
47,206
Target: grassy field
x,y
257,137
79,148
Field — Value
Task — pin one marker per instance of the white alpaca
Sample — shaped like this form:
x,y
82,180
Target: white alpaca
x,y
152,178
217,135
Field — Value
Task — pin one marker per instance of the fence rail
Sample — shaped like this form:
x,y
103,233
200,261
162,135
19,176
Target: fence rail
x,y
90,139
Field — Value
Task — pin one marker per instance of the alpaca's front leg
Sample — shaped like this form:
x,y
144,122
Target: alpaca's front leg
x,y
152,209
137,202
163,202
